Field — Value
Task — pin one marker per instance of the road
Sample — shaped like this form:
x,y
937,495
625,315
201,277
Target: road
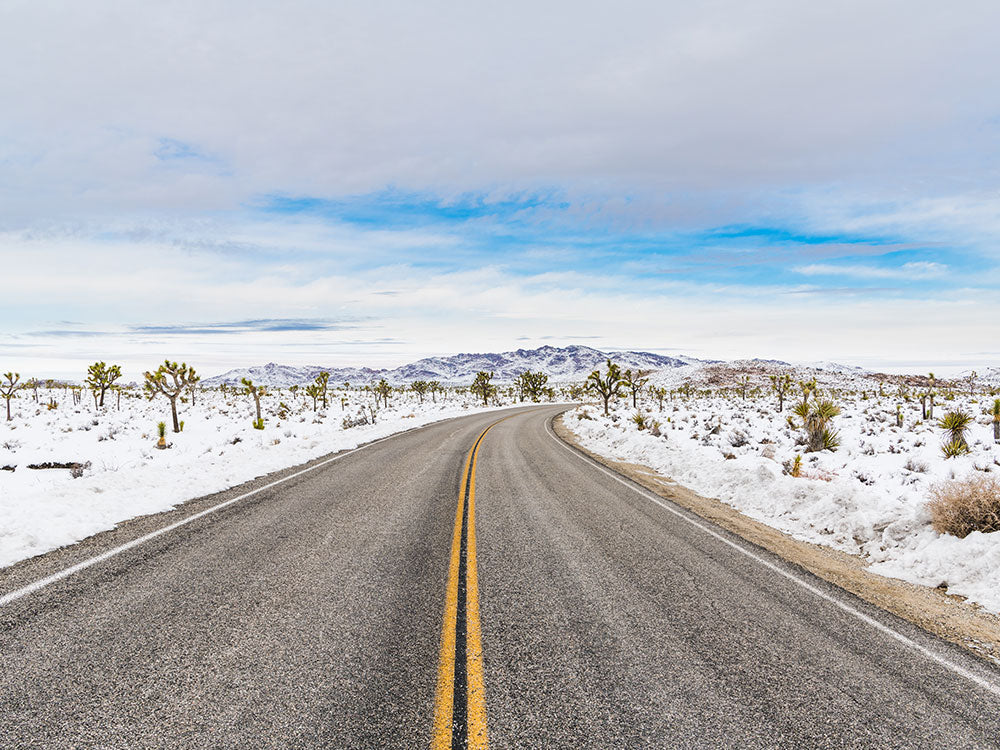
x,y
350,606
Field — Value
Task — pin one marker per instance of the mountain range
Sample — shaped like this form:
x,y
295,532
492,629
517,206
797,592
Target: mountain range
x,y
559,363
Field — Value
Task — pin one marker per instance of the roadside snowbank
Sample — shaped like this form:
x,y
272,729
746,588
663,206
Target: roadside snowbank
x,y
44,509
867,498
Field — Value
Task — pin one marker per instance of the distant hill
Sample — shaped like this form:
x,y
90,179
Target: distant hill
x,y
560,364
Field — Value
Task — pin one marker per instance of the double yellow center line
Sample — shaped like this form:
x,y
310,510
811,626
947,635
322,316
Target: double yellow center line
x,y
460,700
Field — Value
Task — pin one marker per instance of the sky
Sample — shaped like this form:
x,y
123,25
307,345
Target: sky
x,y
333,183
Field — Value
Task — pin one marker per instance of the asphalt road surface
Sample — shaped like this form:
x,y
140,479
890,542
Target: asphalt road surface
x,y
418,592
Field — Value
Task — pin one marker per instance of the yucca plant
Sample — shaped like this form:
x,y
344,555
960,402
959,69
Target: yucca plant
x,y
954,448
956,424
640,420
995,415
816,418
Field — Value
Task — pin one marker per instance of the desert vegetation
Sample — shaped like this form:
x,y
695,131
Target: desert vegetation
x,y
861,462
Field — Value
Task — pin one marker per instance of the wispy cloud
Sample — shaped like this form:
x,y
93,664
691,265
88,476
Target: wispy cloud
x,y
843,291
247,326
914,270
170,149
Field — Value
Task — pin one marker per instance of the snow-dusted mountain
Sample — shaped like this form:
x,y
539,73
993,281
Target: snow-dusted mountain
x,y
560,364
838,368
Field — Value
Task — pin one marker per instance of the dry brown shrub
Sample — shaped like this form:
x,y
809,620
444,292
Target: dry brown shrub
x,y
966,505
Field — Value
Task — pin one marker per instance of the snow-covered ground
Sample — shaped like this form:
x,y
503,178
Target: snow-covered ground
x,y
866,498
127,476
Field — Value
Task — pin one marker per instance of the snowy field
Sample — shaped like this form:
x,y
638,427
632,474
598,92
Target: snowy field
x,y
866,498
125,475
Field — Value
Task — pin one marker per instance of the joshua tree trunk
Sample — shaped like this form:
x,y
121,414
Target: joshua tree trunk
x,y
996,432
173,413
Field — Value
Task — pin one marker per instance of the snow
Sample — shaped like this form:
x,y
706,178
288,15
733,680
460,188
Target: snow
x,y
867,498
127,476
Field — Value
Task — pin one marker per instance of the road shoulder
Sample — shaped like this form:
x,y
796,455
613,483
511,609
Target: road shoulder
x,y
937,612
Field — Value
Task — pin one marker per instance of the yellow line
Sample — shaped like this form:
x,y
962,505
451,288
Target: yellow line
x,y
476,703
444,698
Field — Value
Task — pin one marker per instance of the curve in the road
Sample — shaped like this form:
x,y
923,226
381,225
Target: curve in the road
x,y
307,612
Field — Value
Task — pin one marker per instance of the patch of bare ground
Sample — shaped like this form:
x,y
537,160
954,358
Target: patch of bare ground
x,y
934,610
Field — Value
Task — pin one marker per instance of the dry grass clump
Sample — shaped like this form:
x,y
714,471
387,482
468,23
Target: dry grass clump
x,y
966,505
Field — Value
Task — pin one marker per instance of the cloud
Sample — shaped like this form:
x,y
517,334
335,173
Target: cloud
x,y
844,291
914,270
637,123
312,176
170,149
246,326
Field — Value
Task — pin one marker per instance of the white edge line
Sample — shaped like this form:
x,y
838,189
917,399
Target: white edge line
x,y
909,642
66,572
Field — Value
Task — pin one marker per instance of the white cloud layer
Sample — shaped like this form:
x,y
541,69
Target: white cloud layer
x,y
654,99
137,140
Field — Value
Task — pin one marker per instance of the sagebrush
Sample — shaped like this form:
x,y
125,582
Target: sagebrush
x,y
963,506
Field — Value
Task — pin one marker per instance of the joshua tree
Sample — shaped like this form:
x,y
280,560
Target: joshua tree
x,y
322,380
956,423
971,380
531,385
816,418
659,393
743,385
193,386
781,384
170,380
434,386
808,388
420,388
927,398
995,414
315,391
482,387
9,388
383,389
635,383
33,385
256,391
100,378
607,386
